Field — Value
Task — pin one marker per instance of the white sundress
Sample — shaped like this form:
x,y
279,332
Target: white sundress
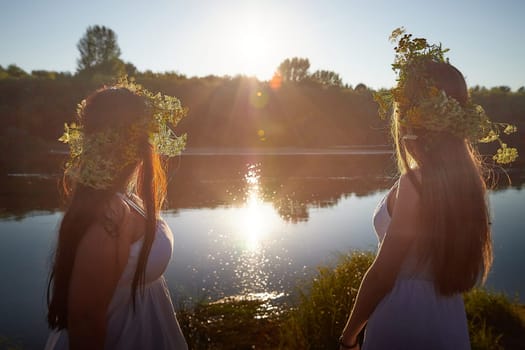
x,y
413,315
153,325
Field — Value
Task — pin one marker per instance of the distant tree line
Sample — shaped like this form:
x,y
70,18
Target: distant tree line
x,y
294,109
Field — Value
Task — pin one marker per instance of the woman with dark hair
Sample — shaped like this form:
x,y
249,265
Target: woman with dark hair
x,y
433,225
106,288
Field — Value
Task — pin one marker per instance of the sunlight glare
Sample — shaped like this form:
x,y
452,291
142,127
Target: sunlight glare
x,y
254,223
251,46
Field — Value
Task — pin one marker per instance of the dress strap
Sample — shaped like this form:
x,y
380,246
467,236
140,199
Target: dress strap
x,y
132,203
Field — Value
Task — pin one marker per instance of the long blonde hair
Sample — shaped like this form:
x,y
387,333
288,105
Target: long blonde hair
x,y
456,237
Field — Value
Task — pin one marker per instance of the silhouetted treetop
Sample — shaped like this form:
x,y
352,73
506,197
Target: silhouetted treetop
x,y
294,70
13,71
326,78
97,46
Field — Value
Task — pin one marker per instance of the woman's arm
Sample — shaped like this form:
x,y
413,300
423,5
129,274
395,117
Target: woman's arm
x,y
382,274
100,260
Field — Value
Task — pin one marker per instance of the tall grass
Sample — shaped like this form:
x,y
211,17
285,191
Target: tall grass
x,y
9,344
494,321
316,314
317,320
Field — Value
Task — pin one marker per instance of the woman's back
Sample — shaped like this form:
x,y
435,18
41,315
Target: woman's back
x,y
413,315
150,323
106,287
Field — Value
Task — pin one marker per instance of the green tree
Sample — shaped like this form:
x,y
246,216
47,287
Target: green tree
x,y
361,87
294,70
13,71
501,89
97,47
44,74
130,69
475,88
3,73
326,78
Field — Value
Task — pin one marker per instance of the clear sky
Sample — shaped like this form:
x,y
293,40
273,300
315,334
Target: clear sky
x,y
227,37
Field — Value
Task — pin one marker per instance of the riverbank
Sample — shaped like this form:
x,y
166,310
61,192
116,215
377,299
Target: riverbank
x,y
313,316
289,151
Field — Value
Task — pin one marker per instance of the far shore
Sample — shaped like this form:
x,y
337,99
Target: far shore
x,y
279,151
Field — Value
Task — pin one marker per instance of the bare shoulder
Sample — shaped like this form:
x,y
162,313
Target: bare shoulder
x,y
111,222
108,235
406,188
114,215
106,240
100,258
402,230
406,208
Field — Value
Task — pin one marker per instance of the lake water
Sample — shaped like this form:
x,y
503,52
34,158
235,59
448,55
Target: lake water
x,y
243,224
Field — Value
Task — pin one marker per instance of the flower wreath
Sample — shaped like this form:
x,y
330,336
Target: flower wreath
x,y
96,159
434,110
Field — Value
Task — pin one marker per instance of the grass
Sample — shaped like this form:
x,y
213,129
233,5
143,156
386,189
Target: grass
x,y
8,344
231,323
314,316
494,321
323,305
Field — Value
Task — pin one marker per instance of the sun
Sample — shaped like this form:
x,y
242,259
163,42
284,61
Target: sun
x,y
251,48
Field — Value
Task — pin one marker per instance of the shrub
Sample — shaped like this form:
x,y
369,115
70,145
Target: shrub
x,y
494,321
324,304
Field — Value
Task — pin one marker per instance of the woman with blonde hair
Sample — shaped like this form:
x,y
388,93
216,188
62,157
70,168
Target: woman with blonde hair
x,y
433,225
106,289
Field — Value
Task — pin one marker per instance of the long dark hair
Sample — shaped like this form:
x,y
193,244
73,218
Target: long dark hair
x,y
116,109
456,238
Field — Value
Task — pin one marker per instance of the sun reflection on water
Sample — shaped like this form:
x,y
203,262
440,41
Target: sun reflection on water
x,y
248,260
254,230
254,223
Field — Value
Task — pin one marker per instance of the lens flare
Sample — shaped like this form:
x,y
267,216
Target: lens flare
x,y
259,99
276,81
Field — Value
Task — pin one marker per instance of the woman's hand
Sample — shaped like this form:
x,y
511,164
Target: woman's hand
x,y
356,347
349,343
